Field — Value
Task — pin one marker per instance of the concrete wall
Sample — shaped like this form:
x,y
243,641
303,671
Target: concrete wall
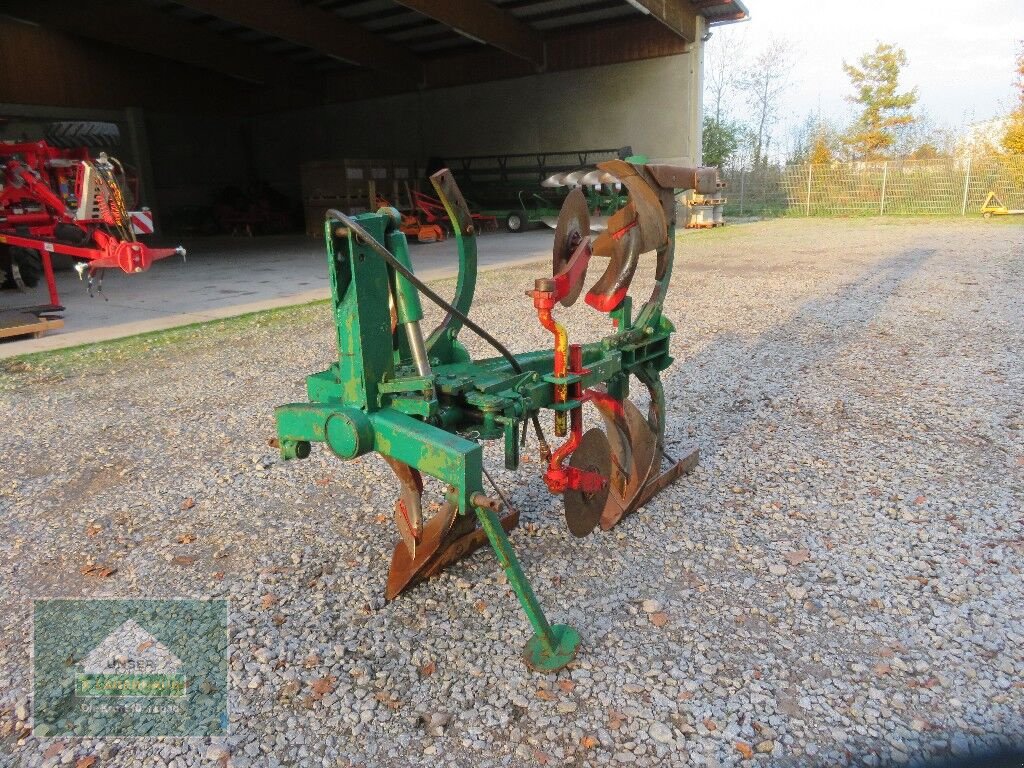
x,y
651,105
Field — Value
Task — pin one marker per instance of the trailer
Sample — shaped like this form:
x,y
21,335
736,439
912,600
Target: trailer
x,y
994,207
520,190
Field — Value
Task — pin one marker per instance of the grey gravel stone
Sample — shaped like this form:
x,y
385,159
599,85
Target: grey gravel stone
x,y
661,733
851,385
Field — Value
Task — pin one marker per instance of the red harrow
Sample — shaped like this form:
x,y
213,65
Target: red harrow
x,y
56,198
432,212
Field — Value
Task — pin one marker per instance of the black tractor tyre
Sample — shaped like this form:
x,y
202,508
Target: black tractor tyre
x,y
83,133
28,262
515,222
70,234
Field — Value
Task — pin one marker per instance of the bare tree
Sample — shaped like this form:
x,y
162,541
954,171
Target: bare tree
x,y
814,140
724,64
764,83
801,139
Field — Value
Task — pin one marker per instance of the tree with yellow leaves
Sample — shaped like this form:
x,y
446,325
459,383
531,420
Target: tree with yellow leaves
x,y
875,81
1013,139
821,150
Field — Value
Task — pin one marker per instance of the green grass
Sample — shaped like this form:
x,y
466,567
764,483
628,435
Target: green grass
x,y
60,361
895,212
57,363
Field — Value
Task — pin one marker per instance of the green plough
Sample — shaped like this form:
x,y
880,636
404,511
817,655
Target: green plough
x,y
424,404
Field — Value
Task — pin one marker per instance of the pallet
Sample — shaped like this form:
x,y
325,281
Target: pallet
x,y
14,323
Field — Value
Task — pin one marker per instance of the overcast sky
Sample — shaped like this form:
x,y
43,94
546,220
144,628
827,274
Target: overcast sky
x,y
961,53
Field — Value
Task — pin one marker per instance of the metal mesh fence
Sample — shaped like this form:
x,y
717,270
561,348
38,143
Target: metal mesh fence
x,y
952,186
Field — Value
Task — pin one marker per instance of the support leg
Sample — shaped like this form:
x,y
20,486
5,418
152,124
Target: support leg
x,y
551,647
51,283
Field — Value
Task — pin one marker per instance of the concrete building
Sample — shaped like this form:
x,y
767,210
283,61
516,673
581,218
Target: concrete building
x,y
219,92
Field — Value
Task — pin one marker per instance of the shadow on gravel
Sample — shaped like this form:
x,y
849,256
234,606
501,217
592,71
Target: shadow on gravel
x,y
727,386
771,365
1010,758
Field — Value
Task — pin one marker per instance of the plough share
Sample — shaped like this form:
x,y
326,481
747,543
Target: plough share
x,y
424,405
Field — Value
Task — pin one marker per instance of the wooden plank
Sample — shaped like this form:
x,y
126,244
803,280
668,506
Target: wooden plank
x,y
633,39
77,72
145,29
23,324
677,15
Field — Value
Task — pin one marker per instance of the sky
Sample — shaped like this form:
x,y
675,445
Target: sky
x,y
961,54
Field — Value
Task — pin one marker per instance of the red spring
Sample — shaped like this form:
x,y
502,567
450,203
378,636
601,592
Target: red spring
x,y
105,213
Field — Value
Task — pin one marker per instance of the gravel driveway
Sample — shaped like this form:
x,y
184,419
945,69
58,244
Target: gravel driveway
x,y
839,582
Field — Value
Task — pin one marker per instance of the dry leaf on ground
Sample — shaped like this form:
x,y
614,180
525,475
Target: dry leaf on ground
x,y
322,686
797,556
99,570
53,749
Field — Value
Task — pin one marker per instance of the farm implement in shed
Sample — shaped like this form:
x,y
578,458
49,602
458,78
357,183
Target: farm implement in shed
x,y
424,405
522,190
56,198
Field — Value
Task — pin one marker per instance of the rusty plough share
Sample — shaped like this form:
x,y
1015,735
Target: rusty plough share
x,y
423,404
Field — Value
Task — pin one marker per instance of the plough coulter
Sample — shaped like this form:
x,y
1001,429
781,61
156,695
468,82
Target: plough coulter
x,y
422,403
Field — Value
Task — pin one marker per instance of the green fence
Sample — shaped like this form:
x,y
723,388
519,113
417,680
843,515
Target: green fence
x,y
947,187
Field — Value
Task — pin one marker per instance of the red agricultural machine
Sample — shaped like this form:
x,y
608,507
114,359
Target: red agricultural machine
x,y
56,198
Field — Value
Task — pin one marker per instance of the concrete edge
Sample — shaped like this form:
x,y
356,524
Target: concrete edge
x,y
126,330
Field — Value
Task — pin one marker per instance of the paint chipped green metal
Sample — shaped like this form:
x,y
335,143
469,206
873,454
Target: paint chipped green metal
x,y
368,372
373,399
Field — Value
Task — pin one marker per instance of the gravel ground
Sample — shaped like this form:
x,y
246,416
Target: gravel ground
x,y
839,582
